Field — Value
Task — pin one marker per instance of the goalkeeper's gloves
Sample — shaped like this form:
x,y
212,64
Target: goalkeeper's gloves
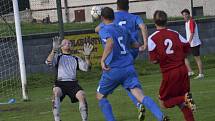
x,y
87,49
56,43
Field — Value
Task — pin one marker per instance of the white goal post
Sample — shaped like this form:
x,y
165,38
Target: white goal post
x,y
13,81
20,50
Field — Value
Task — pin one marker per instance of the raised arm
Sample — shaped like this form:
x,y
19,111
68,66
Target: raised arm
x,y
85,65
99,27
55,47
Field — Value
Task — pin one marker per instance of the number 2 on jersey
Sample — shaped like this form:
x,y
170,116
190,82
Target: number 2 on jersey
x,y
168,43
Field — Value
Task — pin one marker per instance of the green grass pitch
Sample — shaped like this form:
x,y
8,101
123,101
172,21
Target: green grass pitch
x,y
40,87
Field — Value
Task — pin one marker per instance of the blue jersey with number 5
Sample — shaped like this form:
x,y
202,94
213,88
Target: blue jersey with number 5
x,y
119,56
131,22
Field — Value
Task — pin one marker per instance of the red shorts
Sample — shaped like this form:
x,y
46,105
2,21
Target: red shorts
x,y
175,83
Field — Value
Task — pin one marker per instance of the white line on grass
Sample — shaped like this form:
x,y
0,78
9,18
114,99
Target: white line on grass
x,y
42,113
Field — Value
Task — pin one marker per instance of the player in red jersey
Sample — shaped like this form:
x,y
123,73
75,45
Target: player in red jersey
x,y
169,49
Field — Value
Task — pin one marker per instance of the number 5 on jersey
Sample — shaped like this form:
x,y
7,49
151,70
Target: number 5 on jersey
x,y
122,46
121,23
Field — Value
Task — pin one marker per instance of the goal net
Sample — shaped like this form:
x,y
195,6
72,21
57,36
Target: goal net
x,y
10,81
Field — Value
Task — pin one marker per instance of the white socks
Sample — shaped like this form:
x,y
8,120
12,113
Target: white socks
x,y
56,109
84,111
82,108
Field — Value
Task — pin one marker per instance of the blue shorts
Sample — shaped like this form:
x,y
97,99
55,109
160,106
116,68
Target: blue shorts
x,y
110,80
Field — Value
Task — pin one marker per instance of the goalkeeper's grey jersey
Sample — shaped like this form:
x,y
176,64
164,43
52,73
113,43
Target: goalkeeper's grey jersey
x,y
67,66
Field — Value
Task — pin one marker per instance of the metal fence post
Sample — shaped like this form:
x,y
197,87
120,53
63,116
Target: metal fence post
x,y
60,19
192,11
66,10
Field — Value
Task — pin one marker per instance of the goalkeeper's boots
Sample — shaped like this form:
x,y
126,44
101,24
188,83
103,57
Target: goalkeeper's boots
x,y
190,102
141,111
166,118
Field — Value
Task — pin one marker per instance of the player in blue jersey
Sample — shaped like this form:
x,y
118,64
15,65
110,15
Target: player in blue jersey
x,y
118,68
134,24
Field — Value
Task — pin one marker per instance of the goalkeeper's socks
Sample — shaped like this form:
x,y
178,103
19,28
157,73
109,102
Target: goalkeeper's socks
x,y
188,114
83,110
153,107
56,108
106,108
133,99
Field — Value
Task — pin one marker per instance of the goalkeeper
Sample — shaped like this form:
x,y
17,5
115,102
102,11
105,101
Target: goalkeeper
x,y
66,83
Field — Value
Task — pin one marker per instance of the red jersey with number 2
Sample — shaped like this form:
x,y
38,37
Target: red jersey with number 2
x,y
167,47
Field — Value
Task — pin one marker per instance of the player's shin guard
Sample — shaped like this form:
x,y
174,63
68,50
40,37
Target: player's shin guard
x,y
153,107
106,109
83,108
56,108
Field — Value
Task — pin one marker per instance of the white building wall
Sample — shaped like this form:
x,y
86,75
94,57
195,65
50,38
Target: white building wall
x,y
208,7
197,3
38,9
38,4
172,7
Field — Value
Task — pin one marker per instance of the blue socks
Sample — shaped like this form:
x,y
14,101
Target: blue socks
x,y
152,106
133,99
106,109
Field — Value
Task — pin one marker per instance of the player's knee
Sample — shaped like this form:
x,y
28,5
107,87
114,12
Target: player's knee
x,y
57,92
162,105
99,96
138,94
80,95
53,103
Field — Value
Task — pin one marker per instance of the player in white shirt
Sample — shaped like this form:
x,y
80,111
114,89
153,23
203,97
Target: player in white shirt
x,y
66,83
193,38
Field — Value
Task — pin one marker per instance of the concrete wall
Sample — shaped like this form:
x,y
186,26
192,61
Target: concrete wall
x,y
36,50
172,7
37,47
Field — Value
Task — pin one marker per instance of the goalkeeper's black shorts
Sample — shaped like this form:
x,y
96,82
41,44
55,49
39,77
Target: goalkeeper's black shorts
x,y
69,88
